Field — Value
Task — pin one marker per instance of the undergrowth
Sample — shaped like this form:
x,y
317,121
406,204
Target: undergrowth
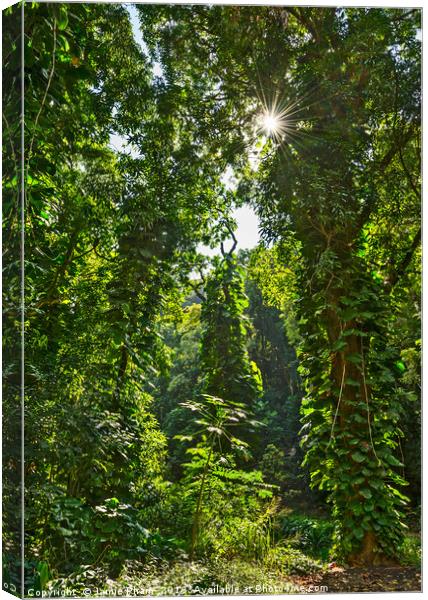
x,y
217,576
248,557
410,552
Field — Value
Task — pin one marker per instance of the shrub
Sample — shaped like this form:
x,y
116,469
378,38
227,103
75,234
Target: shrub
x,y
410,553
312,536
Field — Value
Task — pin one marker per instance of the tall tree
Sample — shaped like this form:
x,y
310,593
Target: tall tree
x,y
107,238
338,92
226,369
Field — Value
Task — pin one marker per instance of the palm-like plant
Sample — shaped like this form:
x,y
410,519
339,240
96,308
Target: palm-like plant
x,y
214,421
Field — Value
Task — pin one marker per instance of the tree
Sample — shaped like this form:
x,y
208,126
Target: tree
x,y
108,237
335,172
226,370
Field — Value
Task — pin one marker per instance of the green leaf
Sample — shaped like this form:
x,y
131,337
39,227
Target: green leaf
x,y
62,21
43,571
358,457
338,345
393,461
400,366
353,382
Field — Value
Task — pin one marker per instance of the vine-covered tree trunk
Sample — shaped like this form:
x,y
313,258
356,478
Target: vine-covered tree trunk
x,y
351,412
354,422
227,370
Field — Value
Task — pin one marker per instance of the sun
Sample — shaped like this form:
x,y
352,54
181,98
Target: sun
x,y
277,120
281,123
271,123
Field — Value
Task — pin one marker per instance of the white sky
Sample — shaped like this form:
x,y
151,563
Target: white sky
x,y
247,232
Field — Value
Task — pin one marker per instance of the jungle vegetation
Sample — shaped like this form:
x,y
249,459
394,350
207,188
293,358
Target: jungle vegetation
x,y
234,419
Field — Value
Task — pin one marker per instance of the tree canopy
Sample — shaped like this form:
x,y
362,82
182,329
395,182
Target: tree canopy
x,y
163,389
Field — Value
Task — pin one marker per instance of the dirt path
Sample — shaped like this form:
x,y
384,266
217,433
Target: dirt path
x,y
375,579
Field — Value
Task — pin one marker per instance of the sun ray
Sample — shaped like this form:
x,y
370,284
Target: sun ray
x,y
290,124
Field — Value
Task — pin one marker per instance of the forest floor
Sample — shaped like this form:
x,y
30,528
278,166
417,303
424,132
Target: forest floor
x,y
302,566
238,577
375,579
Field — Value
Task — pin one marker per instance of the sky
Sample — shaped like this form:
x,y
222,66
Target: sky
x,y
247,232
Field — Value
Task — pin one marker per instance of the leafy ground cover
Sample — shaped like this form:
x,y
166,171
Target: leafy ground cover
x,y
298,564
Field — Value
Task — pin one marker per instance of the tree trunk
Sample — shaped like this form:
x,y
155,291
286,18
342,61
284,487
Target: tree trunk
x,y
354,398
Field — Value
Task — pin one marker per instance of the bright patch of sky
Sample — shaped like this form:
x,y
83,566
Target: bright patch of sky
x,y
119,144
248,227
246,233
138,37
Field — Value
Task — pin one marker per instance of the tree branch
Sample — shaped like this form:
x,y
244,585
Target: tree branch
x,y
396,148
235,241
401,268
197,291
416,191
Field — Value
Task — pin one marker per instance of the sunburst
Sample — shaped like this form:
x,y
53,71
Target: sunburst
x,y
270,123
284,121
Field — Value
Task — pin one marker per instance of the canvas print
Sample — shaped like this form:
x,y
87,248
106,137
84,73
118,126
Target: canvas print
x,y
211,299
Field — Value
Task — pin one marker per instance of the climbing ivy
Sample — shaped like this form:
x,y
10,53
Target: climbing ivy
x,y
226,368
339,172
121,340
351,411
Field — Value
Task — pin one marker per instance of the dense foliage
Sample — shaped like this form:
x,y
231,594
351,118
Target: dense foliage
x,y
164,390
